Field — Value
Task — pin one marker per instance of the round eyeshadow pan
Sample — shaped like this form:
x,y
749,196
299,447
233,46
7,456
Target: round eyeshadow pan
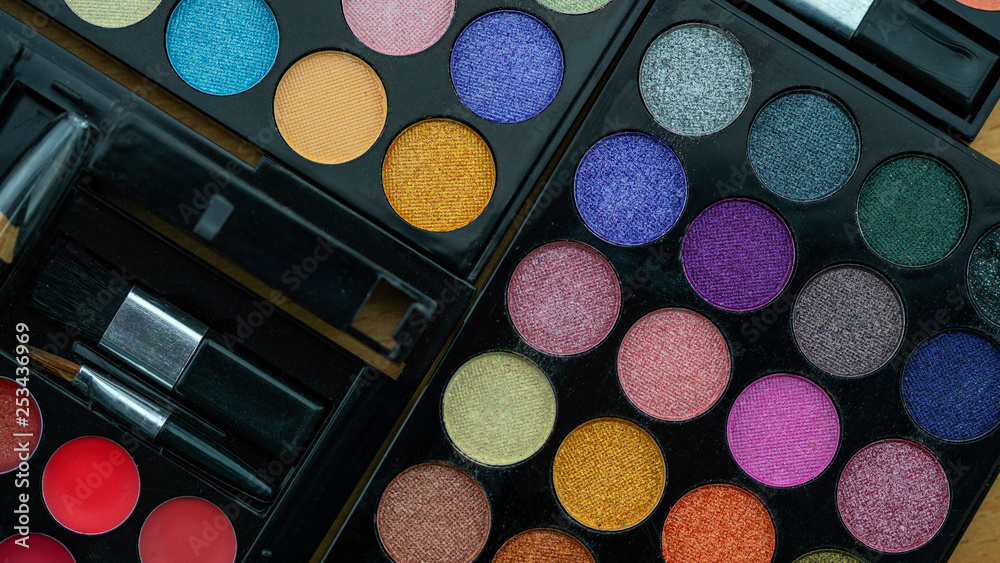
x,y
695,79
330,107
984,275
115,14
828,556
951,386
433,512
738,254
499,409
222,47
90,485
507,66
574,7
783,430
42,549
804,145
718,523
564,298
398,27
540,545
438,175
609,474
912,211
630,188
989,5
187,530
893,496
673,364
848,320
10,415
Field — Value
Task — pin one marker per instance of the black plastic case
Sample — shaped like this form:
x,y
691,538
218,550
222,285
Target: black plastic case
x,y
696,452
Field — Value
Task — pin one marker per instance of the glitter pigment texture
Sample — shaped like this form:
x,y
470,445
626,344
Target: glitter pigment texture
x,y
673,364
738,254
330,107
438,175
829,556
630,188
804,145
893,496
543,545
167,533
222,47
718,523
398,27
695,79
951,386
984,275
12,394
110,487
783,430
609,474
433,512
848,320
564,298
574,6
114,14
507,66
912,211
499,408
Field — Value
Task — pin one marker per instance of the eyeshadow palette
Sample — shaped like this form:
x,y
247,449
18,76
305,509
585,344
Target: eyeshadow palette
x,y
432,119
752,317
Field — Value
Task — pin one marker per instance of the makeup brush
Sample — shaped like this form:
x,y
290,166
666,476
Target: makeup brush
x,y
155,423
176,351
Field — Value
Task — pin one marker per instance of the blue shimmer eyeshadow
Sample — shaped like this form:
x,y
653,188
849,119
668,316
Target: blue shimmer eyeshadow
x,y
507,66
222,47
951,386
630,188
804,145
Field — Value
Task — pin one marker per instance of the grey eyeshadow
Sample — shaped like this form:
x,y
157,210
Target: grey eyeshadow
x,y
848,320
695,79
984,275
804,145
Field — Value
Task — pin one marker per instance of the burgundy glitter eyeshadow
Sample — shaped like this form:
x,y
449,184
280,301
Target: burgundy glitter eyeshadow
x,y
564,298
738,254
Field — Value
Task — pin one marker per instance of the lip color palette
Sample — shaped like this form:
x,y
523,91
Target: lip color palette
x,y
752,317
431,118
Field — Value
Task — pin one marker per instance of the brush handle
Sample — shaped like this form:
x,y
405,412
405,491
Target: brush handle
x,y
201,451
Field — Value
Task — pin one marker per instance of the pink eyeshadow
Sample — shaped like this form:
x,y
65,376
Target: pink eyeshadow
x,y
673,364
893,496
783,430
564,298
398,27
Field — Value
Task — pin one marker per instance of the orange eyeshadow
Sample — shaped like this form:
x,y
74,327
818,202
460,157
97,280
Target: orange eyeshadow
x,y
718,523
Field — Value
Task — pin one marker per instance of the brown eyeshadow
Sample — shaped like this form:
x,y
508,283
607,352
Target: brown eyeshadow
x,y
433,512
543,545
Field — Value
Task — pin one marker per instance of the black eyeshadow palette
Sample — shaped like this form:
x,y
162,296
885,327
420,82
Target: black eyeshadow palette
x,y
432,119
127,187
752,317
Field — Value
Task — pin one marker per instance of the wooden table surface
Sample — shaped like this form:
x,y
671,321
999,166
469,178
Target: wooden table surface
x,y
981,543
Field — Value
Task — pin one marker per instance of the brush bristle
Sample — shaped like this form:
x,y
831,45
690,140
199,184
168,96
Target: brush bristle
x,y
81,290
53,364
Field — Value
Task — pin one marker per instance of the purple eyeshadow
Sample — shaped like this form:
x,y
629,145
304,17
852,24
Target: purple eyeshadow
x,y
738,254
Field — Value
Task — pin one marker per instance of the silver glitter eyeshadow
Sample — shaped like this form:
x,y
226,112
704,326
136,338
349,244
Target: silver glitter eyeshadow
x,y
695,79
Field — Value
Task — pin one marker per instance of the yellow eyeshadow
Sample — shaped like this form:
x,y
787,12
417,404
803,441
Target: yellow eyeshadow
x,y
438,175
609,474
113,14
330,107
499,409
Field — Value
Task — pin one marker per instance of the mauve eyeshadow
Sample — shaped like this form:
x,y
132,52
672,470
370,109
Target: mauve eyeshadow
x,y
564,298
738,254
893,496
433,512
